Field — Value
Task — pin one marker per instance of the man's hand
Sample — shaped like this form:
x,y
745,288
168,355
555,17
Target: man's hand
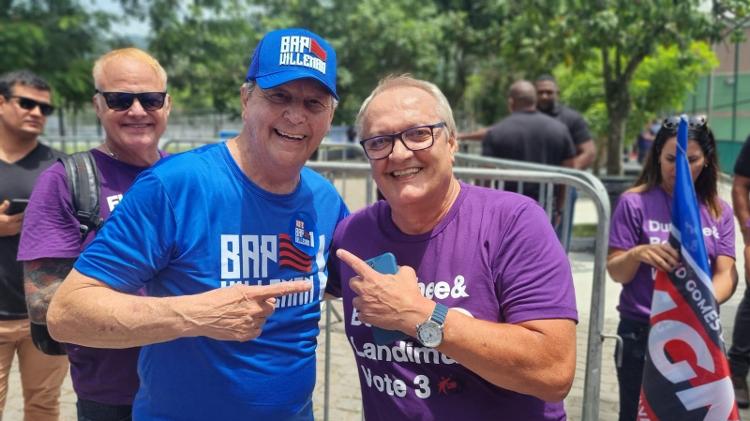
x,y
391,302
9,224
238,313
661,256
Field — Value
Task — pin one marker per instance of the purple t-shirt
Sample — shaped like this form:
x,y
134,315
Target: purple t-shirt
x,y
496,257
50,230
645,218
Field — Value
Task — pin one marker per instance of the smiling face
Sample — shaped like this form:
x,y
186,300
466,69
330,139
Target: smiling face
x,y
695,156
285,124
22,123
135,130
410,177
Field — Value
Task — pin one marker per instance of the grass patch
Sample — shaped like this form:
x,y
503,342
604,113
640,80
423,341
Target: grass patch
x,y
584,230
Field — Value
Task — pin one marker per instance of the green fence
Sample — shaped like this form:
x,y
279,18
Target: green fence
x,y
728,109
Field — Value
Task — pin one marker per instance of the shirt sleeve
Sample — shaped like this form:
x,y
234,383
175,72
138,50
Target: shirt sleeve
x,y
533,280
726,246
579,130
570,147
333,285
488,145
137,241
50,228
625,228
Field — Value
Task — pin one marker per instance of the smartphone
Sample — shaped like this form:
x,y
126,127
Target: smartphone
x,y
16,206
385,263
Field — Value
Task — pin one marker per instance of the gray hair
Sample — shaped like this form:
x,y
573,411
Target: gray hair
x,y
393,81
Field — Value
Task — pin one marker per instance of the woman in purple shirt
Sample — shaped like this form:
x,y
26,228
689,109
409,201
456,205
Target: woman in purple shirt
x,y
638,246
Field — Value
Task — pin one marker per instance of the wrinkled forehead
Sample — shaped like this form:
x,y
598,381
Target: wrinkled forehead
x,y
305,86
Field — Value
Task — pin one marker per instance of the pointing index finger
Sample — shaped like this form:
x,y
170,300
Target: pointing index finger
x,y
280,289
359,266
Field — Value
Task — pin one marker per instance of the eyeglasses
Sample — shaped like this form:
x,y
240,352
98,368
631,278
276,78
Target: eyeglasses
x,y
694,122
414,139
121,101
29,104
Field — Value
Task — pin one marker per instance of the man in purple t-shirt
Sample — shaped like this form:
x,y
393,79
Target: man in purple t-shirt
x,y
132,104
482,305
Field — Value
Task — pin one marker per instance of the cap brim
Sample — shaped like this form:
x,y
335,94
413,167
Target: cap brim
x,y
279,78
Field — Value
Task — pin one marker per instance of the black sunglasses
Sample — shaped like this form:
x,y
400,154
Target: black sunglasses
x,y
121,101
694,122
29,104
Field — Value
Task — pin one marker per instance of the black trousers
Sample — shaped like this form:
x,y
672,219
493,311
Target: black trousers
x,y
634,336
95,411
739,352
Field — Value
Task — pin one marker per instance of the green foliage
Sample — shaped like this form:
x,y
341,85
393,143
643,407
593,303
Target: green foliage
x,y
620,62
658,86
57,39
205,52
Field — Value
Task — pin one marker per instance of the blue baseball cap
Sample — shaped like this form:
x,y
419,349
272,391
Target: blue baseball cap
x,y
285,55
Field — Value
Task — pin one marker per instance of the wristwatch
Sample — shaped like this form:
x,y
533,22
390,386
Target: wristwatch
x,y
430,332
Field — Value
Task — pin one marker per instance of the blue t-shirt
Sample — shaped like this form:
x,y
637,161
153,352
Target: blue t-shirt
x,y
193,223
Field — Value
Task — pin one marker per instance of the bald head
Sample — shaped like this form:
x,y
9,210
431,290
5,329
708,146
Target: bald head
x,y
127,55
522,96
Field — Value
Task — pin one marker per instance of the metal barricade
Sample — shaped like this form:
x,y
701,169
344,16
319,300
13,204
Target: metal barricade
x,y
70,144
495,173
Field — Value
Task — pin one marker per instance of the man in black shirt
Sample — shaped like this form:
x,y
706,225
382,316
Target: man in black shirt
x,y
25,104
528,135
739,352
547,102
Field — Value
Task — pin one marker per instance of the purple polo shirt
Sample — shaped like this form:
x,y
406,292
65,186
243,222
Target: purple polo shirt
x,y
645,218
50,230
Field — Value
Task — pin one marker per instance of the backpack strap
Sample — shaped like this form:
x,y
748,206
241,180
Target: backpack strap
x,y
83,183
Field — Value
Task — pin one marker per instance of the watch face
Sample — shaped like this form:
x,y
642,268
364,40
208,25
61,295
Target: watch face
x,y
430,334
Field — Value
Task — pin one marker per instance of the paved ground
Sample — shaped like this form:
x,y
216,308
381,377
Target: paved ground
x,y
344,389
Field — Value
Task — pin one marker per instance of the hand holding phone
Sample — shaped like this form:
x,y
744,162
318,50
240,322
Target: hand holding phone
x,y
10,223
386,264
16,206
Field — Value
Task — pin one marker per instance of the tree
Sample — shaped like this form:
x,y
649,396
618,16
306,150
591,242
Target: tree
x,y
658,86
205,50
56,39
623,34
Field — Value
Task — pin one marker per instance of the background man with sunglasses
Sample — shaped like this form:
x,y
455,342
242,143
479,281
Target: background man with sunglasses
x,y
132,104
231,242
25,104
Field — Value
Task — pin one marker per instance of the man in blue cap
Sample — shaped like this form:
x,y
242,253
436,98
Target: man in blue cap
x,y
230,241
